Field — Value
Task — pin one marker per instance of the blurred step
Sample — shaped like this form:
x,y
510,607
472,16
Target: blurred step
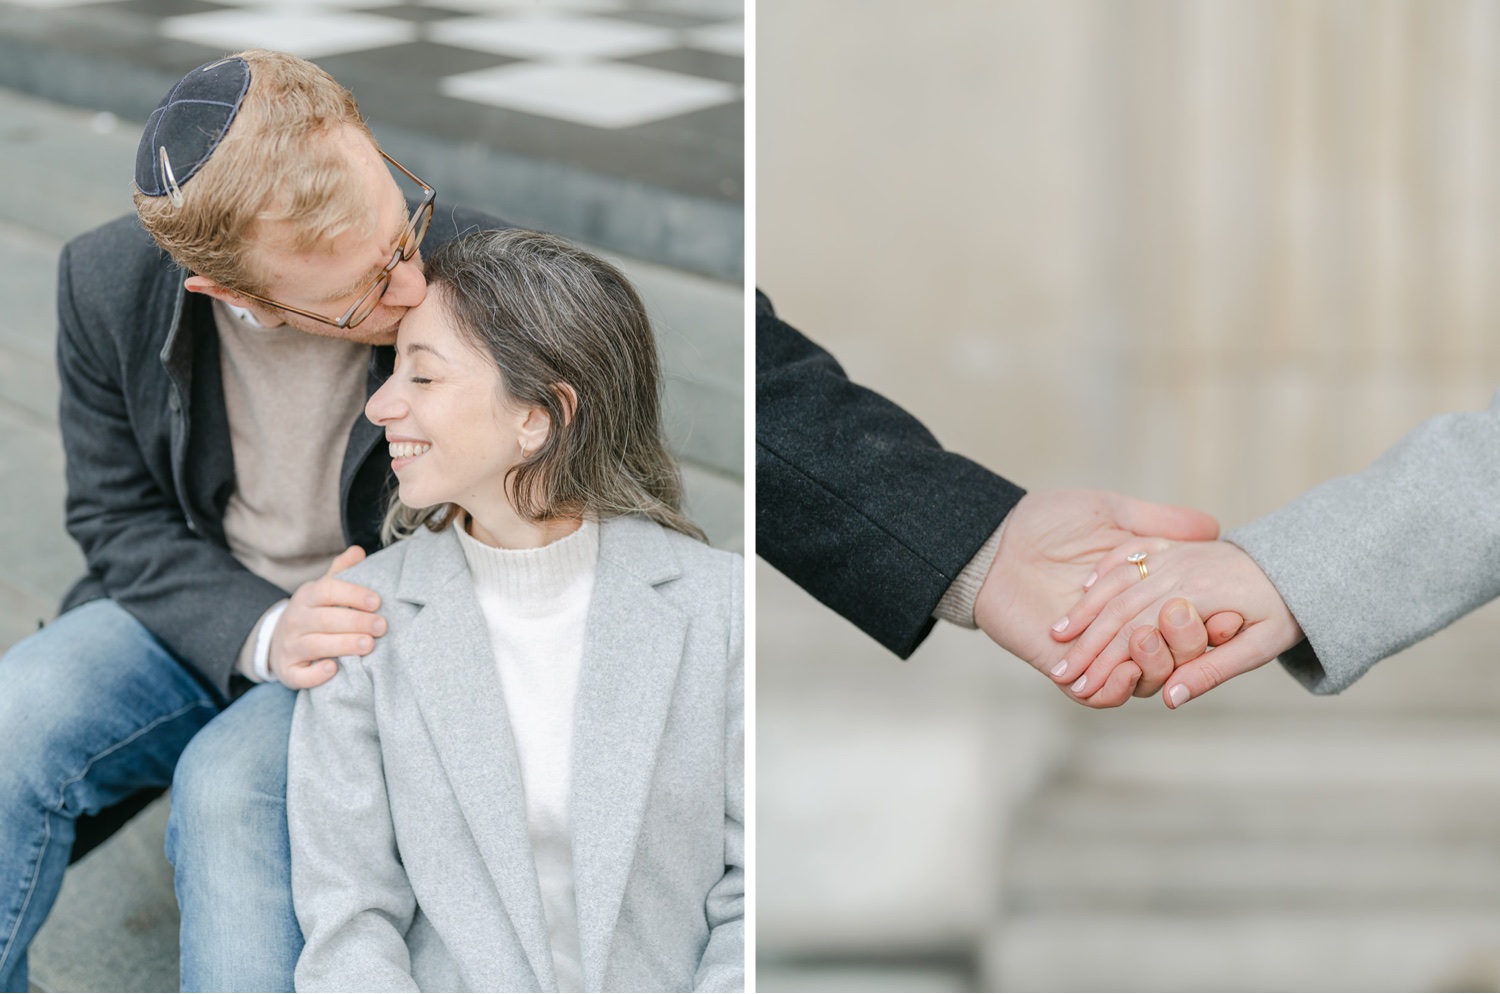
x,y
1286,951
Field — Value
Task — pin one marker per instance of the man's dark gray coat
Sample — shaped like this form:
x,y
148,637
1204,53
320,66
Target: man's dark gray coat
x,y
856,502
149,466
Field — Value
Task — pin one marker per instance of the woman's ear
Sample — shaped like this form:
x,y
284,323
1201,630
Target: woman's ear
x,y
533,430
567,399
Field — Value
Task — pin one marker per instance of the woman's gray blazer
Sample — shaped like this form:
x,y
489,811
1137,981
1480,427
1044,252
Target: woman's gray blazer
x,y
411,861
1372,562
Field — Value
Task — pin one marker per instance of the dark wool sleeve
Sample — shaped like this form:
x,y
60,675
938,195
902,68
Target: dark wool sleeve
x,y
856,502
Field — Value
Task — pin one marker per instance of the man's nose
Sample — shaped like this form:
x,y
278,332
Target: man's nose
x,y
407,287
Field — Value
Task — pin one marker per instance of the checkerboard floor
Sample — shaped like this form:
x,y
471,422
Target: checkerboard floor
x,y
642,91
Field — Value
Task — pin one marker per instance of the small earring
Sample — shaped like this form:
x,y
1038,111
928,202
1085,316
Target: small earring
x,y
523,450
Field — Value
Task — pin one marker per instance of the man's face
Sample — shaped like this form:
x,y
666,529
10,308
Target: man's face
x,y
328,278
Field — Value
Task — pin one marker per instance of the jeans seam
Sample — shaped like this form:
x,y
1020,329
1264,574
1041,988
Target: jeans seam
x,y
89,763
36,872
48,812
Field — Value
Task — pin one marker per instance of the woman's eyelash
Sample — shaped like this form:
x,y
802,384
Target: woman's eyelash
x,y
420,379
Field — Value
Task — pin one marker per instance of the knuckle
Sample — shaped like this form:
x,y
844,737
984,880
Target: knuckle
x,y
1211,674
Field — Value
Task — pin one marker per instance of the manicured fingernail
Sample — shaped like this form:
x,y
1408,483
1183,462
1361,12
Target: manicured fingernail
x,y
1078,684
1061,626
1060,669
366,644
379,626
1090,581
1179,614
329,666
1178,695
372,602
1152,642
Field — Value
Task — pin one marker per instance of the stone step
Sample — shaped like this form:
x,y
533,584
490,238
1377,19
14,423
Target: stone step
x,y
1078,812
1181,874
1239,951
1339,750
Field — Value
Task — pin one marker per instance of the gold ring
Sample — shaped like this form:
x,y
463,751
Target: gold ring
x,y
1138,560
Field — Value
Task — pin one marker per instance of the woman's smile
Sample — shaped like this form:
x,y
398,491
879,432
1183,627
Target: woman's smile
x,y
404,450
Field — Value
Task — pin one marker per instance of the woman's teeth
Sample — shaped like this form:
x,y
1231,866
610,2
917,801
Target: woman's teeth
x,y
406,450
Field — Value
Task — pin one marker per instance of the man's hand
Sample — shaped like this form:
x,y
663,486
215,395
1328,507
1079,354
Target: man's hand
x,y
324,619
1112,623
1048,549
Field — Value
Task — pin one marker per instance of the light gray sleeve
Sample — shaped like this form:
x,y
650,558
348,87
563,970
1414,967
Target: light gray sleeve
x,y
1370,563
350,891
722,967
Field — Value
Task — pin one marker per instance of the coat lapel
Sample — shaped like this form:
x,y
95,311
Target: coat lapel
x,y
460,697
632,650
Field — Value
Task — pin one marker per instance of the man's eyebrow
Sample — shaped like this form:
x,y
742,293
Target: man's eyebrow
x,y
374,271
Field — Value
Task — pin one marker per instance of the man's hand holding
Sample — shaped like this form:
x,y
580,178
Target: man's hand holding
x,y
325,618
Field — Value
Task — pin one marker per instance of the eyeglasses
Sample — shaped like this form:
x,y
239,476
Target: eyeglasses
x,y
369,299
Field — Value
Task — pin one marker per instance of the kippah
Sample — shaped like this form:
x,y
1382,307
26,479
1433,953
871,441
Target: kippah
x,y
185,128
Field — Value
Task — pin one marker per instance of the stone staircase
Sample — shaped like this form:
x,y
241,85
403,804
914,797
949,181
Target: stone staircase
x,y
1263,839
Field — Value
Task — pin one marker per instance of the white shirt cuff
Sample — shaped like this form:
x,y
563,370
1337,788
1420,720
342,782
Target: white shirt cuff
x,y
261,664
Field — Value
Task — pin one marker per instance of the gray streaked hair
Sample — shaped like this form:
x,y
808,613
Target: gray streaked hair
x,y
549,314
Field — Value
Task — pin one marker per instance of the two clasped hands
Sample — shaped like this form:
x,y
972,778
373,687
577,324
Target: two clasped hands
x,y
1115,598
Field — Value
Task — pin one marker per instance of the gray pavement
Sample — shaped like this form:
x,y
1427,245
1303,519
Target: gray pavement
x,y
114,929
616,122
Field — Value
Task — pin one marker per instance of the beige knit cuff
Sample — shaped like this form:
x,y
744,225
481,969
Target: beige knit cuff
x,y
957,604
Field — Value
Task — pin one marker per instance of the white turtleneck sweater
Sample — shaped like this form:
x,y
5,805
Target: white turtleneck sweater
x,y
535,602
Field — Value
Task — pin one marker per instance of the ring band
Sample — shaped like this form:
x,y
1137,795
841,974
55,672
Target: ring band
x,y
1138,560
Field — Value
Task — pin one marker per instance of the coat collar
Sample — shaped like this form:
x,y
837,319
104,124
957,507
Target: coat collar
x,y
633,644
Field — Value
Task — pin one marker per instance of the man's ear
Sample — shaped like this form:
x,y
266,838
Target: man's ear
x,y
204,285
263,315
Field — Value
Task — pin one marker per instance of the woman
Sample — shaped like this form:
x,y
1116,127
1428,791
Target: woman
x,y
535,781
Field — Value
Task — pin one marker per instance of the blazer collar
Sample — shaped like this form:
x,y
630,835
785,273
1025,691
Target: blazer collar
x,y
633,646
452,670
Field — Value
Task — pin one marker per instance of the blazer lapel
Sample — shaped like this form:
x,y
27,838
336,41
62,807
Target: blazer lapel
x,y
459,694
632,650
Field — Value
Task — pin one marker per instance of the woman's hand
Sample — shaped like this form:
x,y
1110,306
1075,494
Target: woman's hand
x,y
1115,623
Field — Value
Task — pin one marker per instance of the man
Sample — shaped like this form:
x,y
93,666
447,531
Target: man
x,y
859,505
212,388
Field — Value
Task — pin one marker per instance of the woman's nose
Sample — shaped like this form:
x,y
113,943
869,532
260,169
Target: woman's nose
x,y
384,405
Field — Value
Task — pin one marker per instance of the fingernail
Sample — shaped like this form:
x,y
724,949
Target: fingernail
x,y
372,602
366,644
379,626
1060,669
1090,581
1178,695
329,666
1078,684
1061,626
1152,642
1179,614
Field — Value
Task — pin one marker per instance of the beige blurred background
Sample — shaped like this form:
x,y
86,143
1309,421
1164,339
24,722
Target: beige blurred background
x,y
1209,253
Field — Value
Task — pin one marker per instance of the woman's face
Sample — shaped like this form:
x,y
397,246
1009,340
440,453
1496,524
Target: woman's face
x,y
453,431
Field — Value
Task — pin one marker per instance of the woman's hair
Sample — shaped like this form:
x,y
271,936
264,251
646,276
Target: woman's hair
x,y
277,162
551,317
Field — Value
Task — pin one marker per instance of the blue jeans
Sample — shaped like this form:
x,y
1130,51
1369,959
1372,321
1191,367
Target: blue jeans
x,y
93,710
227,838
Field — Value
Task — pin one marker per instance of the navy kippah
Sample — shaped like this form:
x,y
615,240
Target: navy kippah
x,y
189,123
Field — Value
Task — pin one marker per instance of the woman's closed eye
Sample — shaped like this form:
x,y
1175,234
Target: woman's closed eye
x,y
420,379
